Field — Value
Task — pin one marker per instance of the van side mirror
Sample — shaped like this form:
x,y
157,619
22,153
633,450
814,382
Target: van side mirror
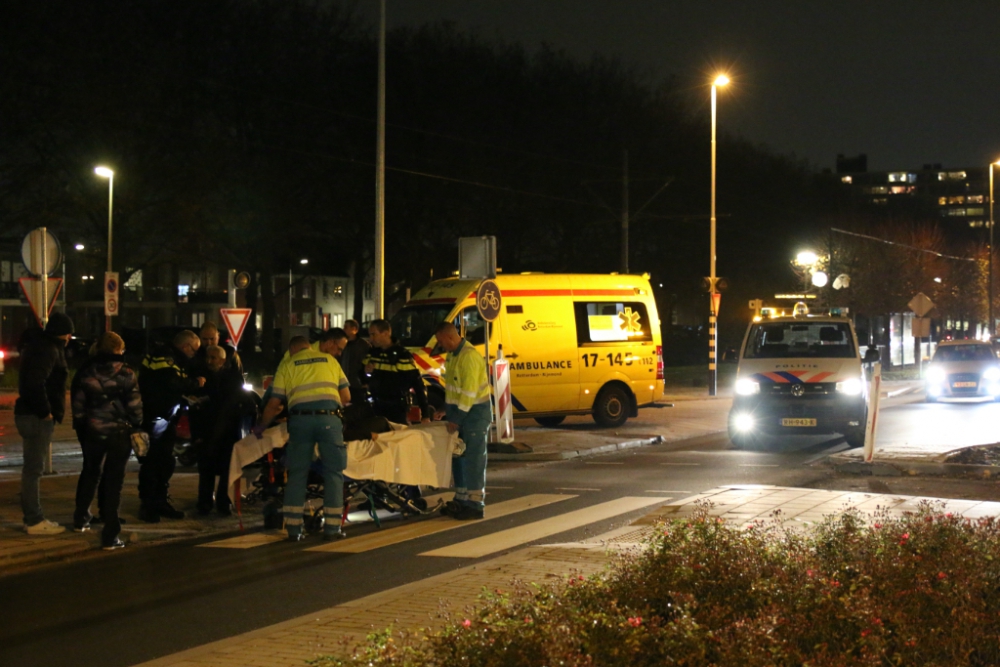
x,y
871,355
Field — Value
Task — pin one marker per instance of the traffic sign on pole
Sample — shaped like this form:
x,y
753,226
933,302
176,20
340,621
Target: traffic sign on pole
x,y
503,403
488,300
40,252
111,298
34,292
236,321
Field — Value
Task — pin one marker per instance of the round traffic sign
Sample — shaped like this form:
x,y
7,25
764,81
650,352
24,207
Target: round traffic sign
x,y
112,286
488,300
32,252
242,280
111,306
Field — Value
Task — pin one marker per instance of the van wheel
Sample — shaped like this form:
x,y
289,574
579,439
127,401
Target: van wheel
x,y
855,438
611,407
550,421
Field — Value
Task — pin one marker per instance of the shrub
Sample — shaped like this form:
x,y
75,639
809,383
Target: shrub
x,y
921,589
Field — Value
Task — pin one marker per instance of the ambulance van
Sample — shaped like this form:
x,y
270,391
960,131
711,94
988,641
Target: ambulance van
x,y
577,344
800,375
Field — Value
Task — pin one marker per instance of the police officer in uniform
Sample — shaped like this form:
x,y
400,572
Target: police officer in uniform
x,y
392,375
467,410
314,388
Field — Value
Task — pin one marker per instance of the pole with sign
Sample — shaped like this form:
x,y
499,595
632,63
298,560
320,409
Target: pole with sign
x,y
111,299
236,321
42,256
488,300
871,423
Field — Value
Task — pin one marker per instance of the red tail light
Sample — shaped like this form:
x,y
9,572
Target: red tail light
x,y
659,362
2,354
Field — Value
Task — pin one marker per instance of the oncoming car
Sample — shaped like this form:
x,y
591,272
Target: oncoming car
x,y
799,375
963,369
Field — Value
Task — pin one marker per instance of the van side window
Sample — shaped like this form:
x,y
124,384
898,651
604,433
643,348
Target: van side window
x,y
610,321
475,327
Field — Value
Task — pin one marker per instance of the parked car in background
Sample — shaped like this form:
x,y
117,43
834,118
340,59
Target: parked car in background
x,y
963,369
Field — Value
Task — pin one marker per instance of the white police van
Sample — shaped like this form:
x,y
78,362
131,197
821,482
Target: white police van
x,y
799,375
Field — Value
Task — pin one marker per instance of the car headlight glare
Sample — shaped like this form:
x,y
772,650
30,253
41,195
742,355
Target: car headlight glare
x,y
935,374
743,422
992,374
747,387
850,387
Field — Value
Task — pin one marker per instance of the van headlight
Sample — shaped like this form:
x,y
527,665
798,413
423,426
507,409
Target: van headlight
x,y
850,387
747,387
744,422
992,374
935,374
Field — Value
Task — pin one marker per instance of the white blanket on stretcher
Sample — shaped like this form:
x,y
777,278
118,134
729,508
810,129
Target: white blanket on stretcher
x,y
415,455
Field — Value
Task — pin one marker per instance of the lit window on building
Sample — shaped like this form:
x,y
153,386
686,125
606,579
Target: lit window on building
x,y
902,177
902,190
959,199
975,223
975,211
182,293
951,175
956,212
877,190
846,179
338,289
942,201
975,199
880,200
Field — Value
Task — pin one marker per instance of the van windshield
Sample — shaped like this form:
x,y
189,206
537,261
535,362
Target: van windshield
x,y
785,340
414,326
970,352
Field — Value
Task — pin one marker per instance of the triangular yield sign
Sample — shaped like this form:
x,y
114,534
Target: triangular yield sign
x,y
32,288
236,321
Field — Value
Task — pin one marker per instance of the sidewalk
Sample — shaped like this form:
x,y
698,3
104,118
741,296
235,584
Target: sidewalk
x,y
427,603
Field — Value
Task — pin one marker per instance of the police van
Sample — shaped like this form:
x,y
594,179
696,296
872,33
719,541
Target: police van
x,y
576,343
799,375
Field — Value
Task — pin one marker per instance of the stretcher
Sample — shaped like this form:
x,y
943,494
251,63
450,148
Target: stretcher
x,y
418,455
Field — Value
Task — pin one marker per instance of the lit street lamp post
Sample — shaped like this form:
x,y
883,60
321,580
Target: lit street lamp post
x,y
109,174
713,337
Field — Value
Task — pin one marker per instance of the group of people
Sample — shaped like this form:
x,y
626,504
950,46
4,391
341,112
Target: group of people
x,y
111,406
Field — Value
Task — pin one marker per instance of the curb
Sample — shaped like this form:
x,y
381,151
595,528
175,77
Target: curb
x,y
915,468
578,453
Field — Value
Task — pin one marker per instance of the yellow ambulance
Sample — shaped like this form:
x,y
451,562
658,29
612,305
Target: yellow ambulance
x,y
577,343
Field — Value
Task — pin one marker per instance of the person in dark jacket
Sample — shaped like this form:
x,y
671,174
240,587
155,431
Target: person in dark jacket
x,y
215,427
393,377
40,405
353,358
107,408
163,383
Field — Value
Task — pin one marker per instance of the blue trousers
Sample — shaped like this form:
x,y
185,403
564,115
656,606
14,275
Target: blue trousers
x,y
469,469
304,432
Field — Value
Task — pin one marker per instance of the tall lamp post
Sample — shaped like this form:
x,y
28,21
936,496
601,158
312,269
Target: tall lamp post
x,y
109,174
720,80
989,291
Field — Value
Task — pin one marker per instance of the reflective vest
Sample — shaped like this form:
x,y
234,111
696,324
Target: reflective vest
x,y
309,376
466,383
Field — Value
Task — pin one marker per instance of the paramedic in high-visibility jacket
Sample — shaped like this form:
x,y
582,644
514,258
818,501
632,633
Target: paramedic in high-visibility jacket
x,y
314,388
467,410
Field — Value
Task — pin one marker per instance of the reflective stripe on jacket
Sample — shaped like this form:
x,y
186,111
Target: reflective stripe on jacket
x,y
309,376
465,378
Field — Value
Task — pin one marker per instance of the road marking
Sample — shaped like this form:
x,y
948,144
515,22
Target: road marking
x,y
570,488
513,537
664,491
680,464
248,541
417,529
605,463
758,465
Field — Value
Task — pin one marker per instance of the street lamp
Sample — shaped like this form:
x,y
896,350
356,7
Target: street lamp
x,y
713,338
109,174
989,291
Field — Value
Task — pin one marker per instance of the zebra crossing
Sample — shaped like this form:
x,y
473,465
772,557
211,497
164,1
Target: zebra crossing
x,y
495,541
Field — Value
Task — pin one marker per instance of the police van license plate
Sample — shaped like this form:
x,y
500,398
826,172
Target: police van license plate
x,y
963,385
797,421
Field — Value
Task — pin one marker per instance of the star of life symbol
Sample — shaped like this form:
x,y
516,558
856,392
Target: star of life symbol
x,y
630,321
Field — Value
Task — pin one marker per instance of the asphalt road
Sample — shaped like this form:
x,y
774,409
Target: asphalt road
x,y
147,602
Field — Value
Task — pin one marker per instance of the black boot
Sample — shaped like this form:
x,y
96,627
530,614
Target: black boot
x,y
148,514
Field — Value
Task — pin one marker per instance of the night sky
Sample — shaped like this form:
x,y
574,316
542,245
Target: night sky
x,y
908,82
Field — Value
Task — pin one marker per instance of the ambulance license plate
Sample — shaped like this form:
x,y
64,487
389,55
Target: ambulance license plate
x,y
790,421
963,385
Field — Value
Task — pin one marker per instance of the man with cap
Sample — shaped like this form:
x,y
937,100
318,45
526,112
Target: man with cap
x,y
314,388
467,410
40,405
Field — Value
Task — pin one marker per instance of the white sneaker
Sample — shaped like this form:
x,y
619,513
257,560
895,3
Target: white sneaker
x,y
44,527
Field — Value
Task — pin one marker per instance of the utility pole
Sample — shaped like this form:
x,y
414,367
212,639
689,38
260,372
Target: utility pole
x,y
625,211
380,172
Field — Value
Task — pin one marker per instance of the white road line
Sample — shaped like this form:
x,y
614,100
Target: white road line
x,y
415,529
665,491
680,464
248,541
571,488
758,465
513,537
605,463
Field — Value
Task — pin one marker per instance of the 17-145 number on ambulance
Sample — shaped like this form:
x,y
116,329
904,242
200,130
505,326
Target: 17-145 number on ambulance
x,y
614,359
